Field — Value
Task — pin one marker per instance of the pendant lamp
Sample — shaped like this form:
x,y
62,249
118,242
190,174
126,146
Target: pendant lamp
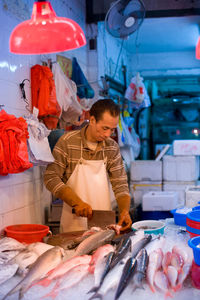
x,y
198,49
45,32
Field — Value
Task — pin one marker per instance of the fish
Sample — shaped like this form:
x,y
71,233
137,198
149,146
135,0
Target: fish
x,y
72,277
139,274
110,281
155,263
47,261
140,244
94,241
161,282
24,259
100,253
6,256
8,243
127,274
185,272
62,268
177,261
7,271
166,260
101,270
172,275
39,248
125,247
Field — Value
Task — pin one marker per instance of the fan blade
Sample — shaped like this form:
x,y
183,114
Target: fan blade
x,y
114,18
134,6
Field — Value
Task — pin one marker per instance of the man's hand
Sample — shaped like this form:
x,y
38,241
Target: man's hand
x,y
82,209
124,220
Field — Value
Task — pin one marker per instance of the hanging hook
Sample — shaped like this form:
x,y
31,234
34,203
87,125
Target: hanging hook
x,y
22,84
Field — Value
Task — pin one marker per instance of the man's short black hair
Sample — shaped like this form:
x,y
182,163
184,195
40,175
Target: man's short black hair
x,y
103,105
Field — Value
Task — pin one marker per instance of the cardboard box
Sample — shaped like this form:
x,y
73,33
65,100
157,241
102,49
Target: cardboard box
x,y
146,170
159,201
180,168
186,147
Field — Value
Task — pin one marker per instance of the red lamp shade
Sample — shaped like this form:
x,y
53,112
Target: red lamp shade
x,y
198,49
46,33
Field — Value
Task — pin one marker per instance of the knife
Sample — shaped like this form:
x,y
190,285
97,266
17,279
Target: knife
x,y
100,218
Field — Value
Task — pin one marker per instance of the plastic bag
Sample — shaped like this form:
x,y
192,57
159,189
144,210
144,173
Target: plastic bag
x,y
136,93
125,138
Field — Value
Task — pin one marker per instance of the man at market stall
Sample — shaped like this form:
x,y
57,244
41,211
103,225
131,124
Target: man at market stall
x,y
86,162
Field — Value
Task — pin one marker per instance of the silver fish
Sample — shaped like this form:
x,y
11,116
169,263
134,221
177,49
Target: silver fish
x,y
8,243
47,261
7,271
139,274
24,259
94,241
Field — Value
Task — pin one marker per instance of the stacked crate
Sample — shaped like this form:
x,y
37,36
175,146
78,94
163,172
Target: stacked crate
x,y
179,173
145,176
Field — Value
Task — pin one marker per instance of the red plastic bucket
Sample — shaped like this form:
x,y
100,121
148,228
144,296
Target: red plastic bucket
x,y
27,233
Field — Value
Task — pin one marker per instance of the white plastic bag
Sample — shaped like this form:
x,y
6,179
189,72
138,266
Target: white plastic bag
x,y
136,93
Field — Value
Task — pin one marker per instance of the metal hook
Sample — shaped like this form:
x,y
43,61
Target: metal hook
x,y
22,84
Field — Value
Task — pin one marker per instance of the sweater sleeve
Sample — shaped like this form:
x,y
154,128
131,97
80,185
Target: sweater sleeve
x,y
54,174
117,174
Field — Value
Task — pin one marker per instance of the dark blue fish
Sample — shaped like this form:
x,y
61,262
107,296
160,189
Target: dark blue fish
x,y
121,251
127,274
140,244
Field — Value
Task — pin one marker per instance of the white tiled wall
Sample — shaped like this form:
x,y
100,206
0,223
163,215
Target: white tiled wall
x,y
23,196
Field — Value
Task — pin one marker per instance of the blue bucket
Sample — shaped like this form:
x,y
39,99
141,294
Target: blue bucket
x,y
193,243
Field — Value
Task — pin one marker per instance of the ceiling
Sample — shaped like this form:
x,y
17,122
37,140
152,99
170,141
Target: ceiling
x,y
169,25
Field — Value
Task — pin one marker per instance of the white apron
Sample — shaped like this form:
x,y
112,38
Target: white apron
x,y
89,181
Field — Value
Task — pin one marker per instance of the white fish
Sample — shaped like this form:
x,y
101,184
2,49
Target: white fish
x,y
161,282
8,243
24,259
6,256
47,261
172,275
111,280
155,262
39,248
7,271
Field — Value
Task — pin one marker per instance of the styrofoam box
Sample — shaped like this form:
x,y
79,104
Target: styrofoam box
x,y
159,201
145,170
192,195
186,147
180,168
139,188
179,187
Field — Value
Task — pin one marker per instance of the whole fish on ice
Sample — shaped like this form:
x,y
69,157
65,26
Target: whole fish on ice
x,y
47,261
154,264
8,243
139,274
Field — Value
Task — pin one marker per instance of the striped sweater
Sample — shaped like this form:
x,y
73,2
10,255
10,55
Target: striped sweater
x,y
67,153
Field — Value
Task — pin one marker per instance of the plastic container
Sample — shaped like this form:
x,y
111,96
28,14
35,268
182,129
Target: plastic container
x,y
193,243
179,218
193,219
196,207
155,227
27,233
193,223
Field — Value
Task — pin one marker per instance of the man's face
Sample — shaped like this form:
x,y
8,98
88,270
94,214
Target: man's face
x,y
103,129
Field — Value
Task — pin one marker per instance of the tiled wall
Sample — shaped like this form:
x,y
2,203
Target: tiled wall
x,y
23,196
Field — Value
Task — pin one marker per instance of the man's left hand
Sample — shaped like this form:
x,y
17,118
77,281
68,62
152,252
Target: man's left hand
x,y
124,220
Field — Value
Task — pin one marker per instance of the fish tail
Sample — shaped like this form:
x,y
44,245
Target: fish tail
x,y
96,295
54,292
168,294
44,282
94,289
152,288
15,289
177,287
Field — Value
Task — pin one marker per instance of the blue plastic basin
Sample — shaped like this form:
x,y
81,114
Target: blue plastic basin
x,y
193,243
